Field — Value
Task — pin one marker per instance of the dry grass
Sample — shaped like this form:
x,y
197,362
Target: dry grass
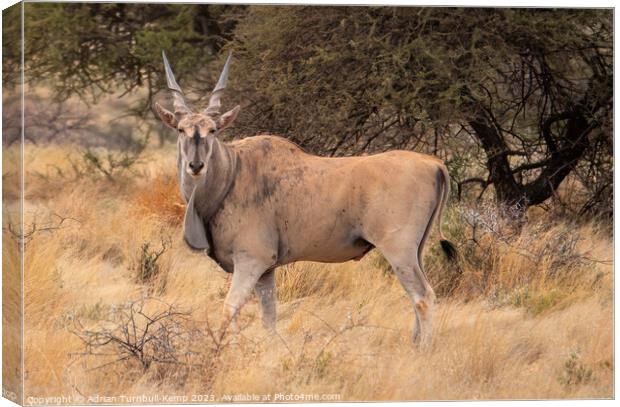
x,y
529,315
11,277
160,198
11,324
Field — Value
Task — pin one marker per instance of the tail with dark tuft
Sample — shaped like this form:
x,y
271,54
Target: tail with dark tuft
x,y
449,249
447,246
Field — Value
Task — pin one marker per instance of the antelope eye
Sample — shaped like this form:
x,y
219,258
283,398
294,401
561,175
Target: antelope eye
x,y
181,131
212,131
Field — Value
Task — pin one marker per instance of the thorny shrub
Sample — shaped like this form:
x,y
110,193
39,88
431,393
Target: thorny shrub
x,y
112,165
150,335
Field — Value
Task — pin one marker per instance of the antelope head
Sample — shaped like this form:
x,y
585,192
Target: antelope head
x,y
196,131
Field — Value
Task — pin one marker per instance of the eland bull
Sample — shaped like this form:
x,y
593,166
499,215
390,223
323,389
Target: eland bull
x,y
263,202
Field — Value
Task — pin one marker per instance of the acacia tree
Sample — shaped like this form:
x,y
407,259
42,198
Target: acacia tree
x,y
95,49
531,88
548,103
89,49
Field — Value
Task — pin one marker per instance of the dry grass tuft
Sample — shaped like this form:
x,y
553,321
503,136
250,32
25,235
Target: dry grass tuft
x,y
160,198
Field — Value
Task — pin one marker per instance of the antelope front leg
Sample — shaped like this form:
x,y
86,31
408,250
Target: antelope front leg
x,y
245,276
266,291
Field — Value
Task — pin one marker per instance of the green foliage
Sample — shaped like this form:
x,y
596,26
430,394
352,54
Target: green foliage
x,y
324,72
535,302
322,363
11,45
112,164
575,371
523,94
88,49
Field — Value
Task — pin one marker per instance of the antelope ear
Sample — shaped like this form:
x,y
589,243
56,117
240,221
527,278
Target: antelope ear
x,y
194,231
166,116
227,118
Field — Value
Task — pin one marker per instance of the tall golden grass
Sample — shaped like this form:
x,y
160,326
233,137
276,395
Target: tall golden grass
x,y
11,278
528,314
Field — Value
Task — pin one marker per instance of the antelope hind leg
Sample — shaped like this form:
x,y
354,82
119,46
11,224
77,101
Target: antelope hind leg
x,y
412,278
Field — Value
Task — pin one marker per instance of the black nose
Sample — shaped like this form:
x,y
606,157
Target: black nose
x,y
196,166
